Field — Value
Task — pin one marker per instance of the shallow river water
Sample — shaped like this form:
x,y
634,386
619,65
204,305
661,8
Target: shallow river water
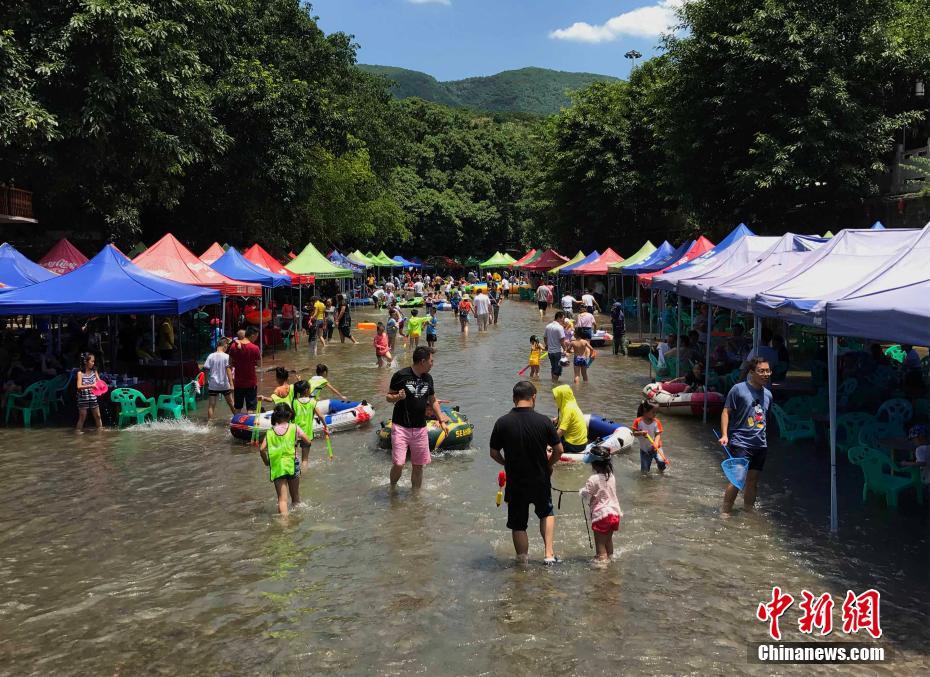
x,y
158,550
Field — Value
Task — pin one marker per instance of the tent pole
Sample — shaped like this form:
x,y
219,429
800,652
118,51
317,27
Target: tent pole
x,y
678,334
710,334
692,314
153,336
261,325
651,312
299,315
223,315
831,376
756,334
639,309
181,355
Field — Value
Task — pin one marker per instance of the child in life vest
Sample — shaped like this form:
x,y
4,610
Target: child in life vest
x,y
279,453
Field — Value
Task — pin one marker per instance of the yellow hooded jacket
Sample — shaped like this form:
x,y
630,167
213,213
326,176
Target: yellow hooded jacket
x,y
571,420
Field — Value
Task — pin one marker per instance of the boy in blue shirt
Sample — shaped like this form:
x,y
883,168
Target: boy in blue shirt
x,y
743,423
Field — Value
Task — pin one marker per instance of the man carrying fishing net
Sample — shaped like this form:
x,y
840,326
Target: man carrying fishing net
x,y
743,422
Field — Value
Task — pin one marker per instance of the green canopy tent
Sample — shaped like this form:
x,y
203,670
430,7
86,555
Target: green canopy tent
x,y
575,259
641,255
509,259
386,261
498,260
533,259
311,262
360,259
829,234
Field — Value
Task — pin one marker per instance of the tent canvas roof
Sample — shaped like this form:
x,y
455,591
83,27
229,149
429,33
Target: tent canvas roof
x,y
18,271
498,260
526,257
600,265
746,256
573,260
62,258
531,260
568,268
665,252
667,280
641,255
545,261
108,284
311,262
214,251
170,259
260,257
840,265
358,258
700,246
406,263
343,261
235,265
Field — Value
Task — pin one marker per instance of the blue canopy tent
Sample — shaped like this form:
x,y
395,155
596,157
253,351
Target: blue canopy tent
x,y
345,262
567,270
234,265
661,258
877,226
18,271
108,284
668,281
417,260
405,263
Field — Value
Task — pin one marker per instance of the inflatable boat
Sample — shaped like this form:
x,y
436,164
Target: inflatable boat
x,y
602,338
443,305
367,301
460,434
415,302
341,415
672,396
603,432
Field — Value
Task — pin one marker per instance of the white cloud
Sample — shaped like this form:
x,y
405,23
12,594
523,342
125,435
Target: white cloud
x,y
642,22
430,2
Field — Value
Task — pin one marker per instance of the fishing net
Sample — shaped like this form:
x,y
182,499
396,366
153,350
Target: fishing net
x,y
735,470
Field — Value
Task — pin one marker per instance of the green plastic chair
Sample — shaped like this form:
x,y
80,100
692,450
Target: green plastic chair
x,y
845,392
671,364
657,370
804,406
848,427
190,397
129,400
858,452
897,409
55,395
32,399
171,404
879,477
793,428
287,337
872,436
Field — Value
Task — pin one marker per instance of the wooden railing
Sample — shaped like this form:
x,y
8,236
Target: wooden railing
x,y
16,203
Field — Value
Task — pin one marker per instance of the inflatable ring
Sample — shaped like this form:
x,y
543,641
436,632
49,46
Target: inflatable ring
x,y
367,326
341,415
460,434
672,396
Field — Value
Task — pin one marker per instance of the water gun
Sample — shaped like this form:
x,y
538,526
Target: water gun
x,y
255,426
501,483
659,452
523,371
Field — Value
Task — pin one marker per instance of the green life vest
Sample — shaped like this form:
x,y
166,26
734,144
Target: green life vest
x,y
289,400
303,415
317,383
281,454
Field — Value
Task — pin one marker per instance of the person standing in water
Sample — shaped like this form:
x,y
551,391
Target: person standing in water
x,y
220,381
412,392
279,453
742,424
519,442
86,379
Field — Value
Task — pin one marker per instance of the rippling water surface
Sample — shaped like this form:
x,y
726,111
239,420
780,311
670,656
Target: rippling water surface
x,y
158,550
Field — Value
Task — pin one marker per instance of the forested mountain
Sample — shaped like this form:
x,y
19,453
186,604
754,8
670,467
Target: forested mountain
x,y
527,90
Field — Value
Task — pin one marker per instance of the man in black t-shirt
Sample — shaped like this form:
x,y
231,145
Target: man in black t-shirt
x,y
519,442
411,392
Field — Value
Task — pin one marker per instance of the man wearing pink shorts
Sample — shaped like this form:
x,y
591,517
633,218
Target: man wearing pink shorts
x,y
411,392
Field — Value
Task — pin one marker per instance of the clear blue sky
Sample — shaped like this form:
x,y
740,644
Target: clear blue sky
x,y
452,39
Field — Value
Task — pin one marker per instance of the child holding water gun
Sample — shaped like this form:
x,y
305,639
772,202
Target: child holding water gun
x,y
536,351
279,453
600,493
649,431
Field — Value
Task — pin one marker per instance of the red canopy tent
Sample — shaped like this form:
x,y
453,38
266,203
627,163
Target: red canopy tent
x,y
257,255
170,259
62,258
599,265
214,252
700,246
549,260
526,257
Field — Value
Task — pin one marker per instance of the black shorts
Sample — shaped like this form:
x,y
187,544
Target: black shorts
x,y
345,330
756,456
247,397
543,305
518,506
219,393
